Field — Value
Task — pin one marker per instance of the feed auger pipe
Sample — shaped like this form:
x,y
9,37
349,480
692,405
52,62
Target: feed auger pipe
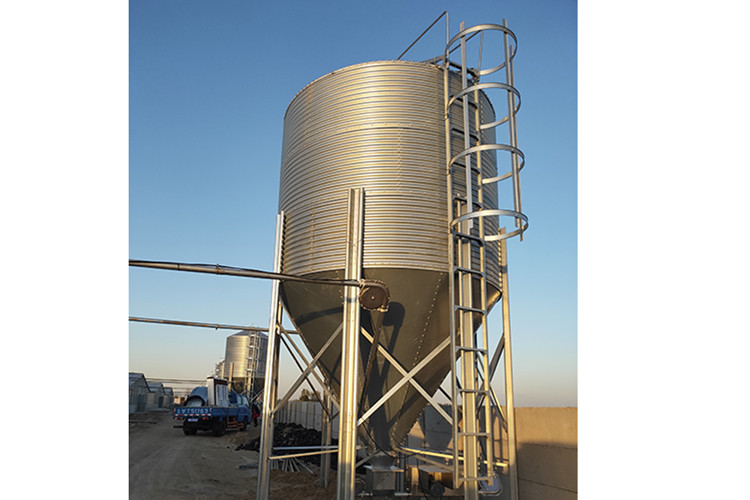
x,y
374,295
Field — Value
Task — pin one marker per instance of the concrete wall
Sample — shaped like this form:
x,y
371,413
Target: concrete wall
x,y
546,449
546,444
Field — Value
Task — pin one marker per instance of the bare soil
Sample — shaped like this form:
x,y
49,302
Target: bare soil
x,y
166,464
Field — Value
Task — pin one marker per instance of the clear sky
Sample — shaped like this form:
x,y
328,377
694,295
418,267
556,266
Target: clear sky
x,y
209,85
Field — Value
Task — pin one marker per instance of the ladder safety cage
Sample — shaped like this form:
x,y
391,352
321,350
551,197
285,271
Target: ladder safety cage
x,y
513,98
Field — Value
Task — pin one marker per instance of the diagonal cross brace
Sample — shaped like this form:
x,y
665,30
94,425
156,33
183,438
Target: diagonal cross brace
x,y
408,377
310,366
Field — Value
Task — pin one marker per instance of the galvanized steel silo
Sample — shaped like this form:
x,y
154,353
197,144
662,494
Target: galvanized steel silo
x,y
245,356
236,356
379,126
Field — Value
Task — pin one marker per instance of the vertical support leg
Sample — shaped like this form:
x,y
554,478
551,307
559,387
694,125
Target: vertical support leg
x,y
510,409
451,258
350,350
272,373
325,440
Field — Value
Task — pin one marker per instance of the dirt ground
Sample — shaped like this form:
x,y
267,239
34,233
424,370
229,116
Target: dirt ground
x,y
166,464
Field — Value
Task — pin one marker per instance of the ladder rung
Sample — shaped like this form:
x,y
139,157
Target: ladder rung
x,y
462,199
480,478
474,169
470,271
474,349
479,434
470,309
476,239
469,99
474,391
462,132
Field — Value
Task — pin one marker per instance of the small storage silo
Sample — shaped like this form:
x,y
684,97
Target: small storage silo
x,y
245,357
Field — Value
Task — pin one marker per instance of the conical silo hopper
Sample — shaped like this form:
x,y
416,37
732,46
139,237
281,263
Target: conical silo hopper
x,y
379,126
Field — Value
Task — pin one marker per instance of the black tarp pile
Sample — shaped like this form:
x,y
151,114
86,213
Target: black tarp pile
x,y
292,434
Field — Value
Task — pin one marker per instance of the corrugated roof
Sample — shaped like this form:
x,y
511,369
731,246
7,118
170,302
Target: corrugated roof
x,y
155,386
134,377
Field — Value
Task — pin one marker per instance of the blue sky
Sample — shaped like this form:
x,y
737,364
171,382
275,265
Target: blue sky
x,y
209,86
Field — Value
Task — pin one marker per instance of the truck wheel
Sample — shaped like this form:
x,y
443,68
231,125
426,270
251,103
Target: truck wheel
x,y
243,425
219,428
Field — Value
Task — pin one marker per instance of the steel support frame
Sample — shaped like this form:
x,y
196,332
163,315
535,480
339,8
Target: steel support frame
x,y
294,351
408,377
310,366
277,334
508,365
325,441
328,400
271,382
347,448
349,399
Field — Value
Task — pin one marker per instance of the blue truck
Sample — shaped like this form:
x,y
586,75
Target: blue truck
x,y
213,408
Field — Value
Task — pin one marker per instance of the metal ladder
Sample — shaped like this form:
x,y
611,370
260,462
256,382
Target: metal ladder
x,y
473,437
